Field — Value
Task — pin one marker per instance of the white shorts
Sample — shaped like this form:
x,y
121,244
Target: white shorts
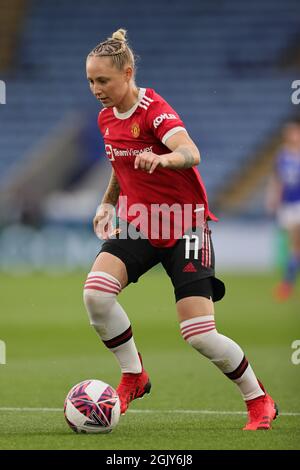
x,y
289,215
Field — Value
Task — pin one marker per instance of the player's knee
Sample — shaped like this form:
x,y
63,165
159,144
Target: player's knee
x,y
201,337
204,343
99,295
98,303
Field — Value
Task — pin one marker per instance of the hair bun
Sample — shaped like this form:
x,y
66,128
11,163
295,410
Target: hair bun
x,y
120,35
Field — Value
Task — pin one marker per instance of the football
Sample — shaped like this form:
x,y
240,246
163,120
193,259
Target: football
x,y
92,406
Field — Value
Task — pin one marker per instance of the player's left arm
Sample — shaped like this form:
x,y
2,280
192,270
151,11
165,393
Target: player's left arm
x,y
184,154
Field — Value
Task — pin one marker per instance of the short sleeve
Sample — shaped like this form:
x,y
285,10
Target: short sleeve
x,y
163,120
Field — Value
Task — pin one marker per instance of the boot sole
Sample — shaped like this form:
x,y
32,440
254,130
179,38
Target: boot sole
x,y
146,390
276,411
262,428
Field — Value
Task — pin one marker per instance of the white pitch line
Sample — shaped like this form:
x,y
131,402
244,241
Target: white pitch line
x,y
199,412
32,409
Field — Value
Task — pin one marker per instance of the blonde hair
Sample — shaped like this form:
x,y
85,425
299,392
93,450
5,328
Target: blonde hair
x,y
117,48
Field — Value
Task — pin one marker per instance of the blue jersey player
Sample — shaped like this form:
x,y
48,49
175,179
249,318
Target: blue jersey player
x,y
285,200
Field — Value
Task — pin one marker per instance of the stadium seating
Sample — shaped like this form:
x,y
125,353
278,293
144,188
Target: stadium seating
x,y
215,62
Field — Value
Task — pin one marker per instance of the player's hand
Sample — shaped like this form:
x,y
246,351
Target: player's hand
x,y
148,161
103,221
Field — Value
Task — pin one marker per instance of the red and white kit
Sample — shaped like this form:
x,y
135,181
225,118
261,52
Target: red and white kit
x,y
146,127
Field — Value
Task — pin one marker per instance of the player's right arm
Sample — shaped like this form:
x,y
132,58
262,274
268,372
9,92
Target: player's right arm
x,y
111,195
103,219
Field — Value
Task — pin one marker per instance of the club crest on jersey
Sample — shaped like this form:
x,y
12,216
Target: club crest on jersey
x,y
135,129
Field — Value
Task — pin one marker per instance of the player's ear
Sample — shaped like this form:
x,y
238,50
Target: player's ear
x,y
128,73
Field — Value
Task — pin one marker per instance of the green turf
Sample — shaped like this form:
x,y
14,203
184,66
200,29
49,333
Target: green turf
x,y
50,347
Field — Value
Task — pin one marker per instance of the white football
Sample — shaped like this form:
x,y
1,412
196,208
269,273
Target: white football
x,y
92,406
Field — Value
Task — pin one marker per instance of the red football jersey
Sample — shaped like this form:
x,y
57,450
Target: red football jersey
x,y
146,127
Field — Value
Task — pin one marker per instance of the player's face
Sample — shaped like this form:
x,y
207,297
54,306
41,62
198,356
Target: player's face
x,y
108,84
292,135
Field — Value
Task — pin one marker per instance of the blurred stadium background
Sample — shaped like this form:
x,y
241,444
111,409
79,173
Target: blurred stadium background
x,y
227,67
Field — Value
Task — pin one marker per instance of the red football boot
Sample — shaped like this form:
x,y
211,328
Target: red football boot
x,y
283,291
133,386
261,412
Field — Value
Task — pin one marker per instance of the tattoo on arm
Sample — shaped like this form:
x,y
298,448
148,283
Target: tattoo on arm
x,y
188,156
113,190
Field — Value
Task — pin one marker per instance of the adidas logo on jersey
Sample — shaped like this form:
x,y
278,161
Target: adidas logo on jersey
x,y
159,119
106,132
189,268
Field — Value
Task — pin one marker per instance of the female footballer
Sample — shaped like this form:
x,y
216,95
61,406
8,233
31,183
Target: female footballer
x,y
154,164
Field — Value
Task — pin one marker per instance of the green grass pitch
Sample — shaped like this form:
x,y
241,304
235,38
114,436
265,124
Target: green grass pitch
x,y
51,347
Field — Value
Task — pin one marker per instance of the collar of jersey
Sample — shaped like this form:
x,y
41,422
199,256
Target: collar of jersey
x,y
130,112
